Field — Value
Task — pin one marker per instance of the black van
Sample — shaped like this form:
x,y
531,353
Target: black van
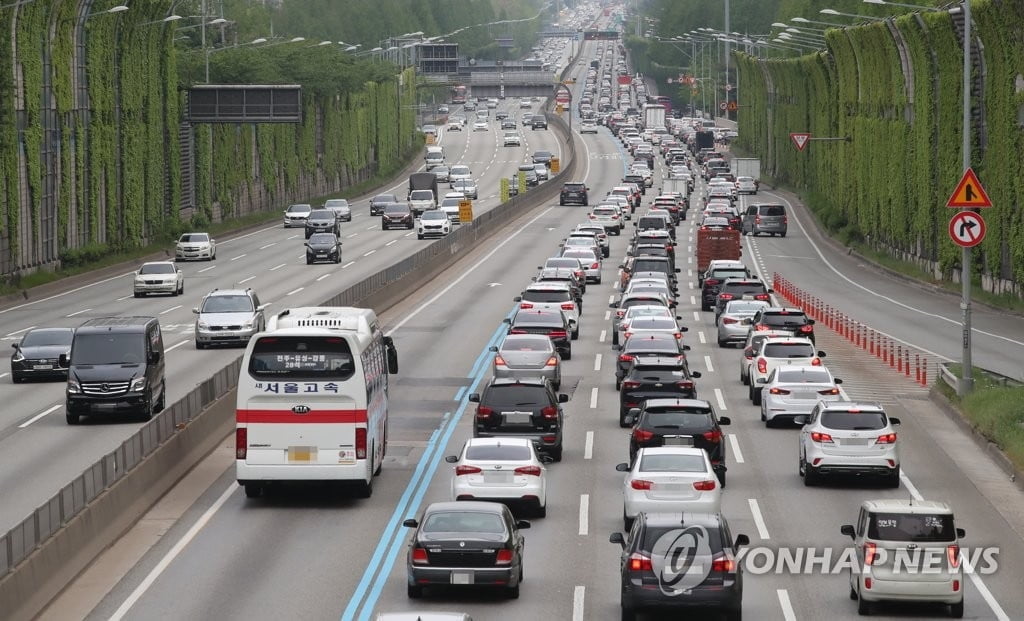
x,y
116,366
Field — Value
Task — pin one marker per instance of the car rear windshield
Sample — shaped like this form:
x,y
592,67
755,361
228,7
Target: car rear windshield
x,y
854,421
920,527
672,463
742,289
803,376
464,522
516,395
573,187
654,537
654,264
722,274
302,358
563,262
658,374
772,210
642,301
653,323
604,211
537,319
652,222
743,306
679,418
492,452
526,343
789,350
653,344
784,319
546,297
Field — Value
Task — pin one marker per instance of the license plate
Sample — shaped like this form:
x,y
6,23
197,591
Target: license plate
x,y
301,454
462,577
517,418
678,441
497,477
322,255
42,367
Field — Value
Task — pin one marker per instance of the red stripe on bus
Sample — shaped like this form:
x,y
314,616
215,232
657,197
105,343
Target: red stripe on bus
x,y
313,416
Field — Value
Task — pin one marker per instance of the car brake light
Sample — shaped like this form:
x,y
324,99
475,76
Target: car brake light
x,y
461,470
579,273
504,557
685,384
557,334
729,320
625,357
762,326
640,562
484,412
711,281
953,555
533,471
723,564
888,438
620,313
678,335
762,365
807,329
641,484
757,220
630,384
591,216
642,435
419,556
713,436
549,411
568,306
821,438
778,391
870,553
526,305
615,217
816,362
552,362
829,391
704,486
241,443
724,296
500,362
595,266
517,331
361,443
627,334
761,296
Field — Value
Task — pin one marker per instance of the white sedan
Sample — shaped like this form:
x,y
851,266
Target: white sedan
x,y
669,479
793,391
195,246
159,277
507,470
479,126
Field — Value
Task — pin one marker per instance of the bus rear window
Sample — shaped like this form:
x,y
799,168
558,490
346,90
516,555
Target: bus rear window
x,y
302,358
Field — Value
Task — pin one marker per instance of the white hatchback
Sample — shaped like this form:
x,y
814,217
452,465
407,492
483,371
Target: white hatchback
x,y
507,470
669,479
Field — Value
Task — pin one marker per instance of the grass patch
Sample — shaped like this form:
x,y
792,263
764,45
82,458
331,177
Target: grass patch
x,y
995,409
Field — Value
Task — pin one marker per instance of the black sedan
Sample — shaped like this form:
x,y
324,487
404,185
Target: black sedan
x,y
38,354
323,247
646,346
553,324
466,543
655,377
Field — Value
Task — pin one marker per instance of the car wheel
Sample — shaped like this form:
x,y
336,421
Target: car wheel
x,y
200,345
628,614
782,234
811,476
627,522
309,261
414,591
864,608
252,490
148,410
337,259
15,378
556,454
764,419
853,594
618,383
575,335
893,480
181,289
957,610
72,418
721,342
541,511
137,294
513,592
734,615
419,237
755,395
162,402
567,355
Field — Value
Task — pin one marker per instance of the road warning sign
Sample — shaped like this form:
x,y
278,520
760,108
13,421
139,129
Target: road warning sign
x,y
967,229
969,193
800,139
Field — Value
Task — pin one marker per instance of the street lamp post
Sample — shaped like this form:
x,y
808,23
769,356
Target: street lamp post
x,y
870,18
966,383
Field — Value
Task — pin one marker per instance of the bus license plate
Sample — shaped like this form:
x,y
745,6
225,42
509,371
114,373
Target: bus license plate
x,y
301,454
462,577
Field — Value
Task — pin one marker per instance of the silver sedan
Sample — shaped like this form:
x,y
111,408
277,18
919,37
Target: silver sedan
x,y
734,322
528,356
792,391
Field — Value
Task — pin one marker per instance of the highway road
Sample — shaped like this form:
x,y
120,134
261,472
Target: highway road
x,y
40,453
304,556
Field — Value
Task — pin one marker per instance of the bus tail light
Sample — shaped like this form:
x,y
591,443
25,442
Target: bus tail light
x,y
241,443
361,443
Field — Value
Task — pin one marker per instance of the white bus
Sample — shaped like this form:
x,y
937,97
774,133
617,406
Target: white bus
x,y
312,400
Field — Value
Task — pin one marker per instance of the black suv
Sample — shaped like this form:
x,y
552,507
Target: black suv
x,y
737,289
396,214
653,378
523,408
649,263
378,202
713,577
553,324
683,422
646,346
322,221
538,121
711,282
792,320
574,192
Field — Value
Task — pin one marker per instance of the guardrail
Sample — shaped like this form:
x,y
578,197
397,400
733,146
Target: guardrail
x,y
44,552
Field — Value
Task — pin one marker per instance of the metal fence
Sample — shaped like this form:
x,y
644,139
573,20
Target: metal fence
x,y
46,520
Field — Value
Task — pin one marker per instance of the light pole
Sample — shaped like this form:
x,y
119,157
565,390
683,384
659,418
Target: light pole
x,y
801,20
900,4
966,383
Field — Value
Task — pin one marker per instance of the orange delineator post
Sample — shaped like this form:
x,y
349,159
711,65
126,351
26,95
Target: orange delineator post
x,y
899,359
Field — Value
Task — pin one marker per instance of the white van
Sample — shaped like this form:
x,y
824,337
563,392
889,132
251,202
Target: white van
x,y
434,157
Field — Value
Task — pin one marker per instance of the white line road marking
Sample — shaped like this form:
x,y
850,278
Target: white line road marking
x,y
597,362
206,269
245,280
588,446
696,315
707,362
755,510
607,315
39,415
277,267
909,485
352,235
176,345
600,339
370,252
721,399
20,331
3,375
700,337
593,398
293,236
393,241
584,514
173,308
371,227
173,553
123,298
579,592
294,291
268,246
84,310
737,454
347,264
787,607
693,300
238,257
319,278
611,299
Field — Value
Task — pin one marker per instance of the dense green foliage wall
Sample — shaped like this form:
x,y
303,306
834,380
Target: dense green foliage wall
x,y
902,113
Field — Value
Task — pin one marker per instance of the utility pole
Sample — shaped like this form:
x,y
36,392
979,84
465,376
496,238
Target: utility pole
x,y
967,371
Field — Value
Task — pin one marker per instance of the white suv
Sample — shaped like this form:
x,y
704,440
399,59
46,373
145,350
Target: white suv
x,y
907,551
553,296
843,437
777,352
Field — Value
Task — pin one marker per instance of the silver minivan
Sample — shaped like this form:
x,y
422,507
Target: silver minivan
x,y
765,218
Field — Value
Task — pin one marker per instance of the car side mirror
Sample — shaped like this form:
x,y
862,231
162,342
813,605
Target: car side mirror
x,y
451,459
507,320
741,540
893,420
672,305
15,345
492,348
623,467
564,398
617,538
686,348
195,311
800,420
695,374
677,270
679,318
63,360
762,380
154,357
847,529
546,459
612,305
518,298
771,291
961,532
724,420
811,322
821,354
474,397
522,524
410,523
262,307
683,329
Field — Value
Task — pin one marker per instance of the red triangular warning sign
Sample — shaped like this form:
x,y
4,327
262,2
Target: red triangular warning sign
x,y
969,192
800,140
